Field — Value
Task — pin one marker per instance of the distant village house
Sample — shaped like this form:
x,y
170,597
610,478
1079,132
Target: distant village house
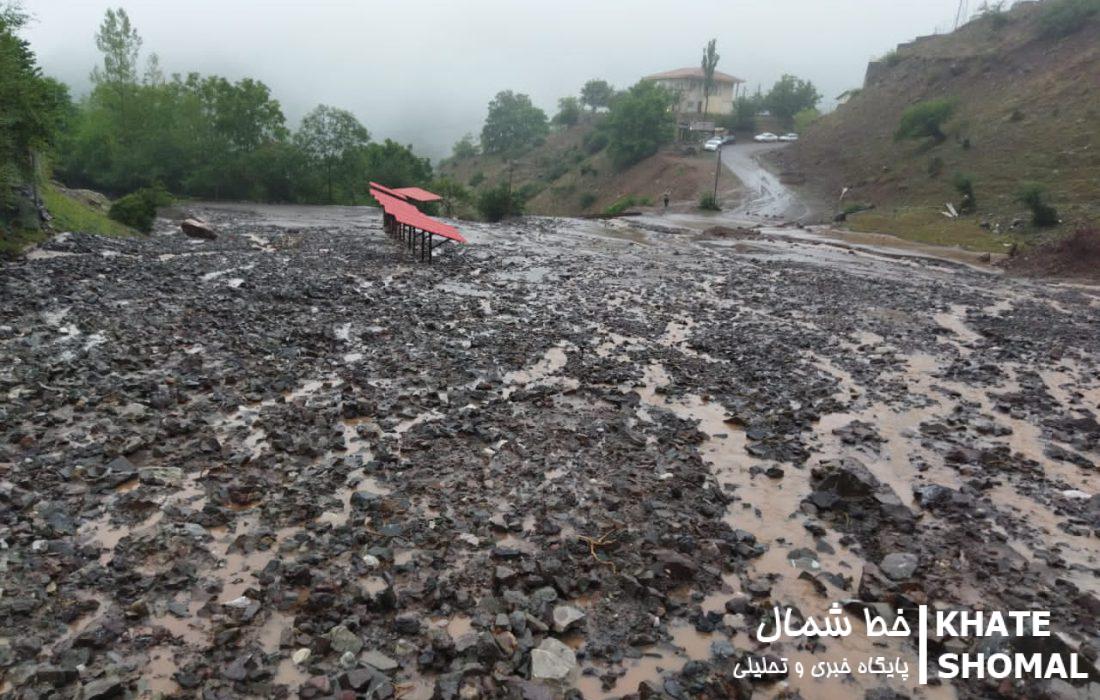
x,y
688,84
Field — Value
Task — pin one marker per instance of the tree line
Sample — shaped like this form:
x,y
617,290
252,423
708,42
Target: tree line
x,y
194,135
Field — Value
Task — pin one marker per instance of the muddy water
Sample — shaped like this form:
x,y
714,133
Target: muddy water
x,y
773,519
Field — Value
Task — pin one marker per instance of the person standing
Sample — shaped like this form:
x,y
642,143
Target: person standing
x,y
666,196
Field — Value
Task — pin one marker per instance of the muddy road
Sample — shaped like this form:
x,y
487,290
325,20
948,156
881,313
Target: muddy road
x,y
569,458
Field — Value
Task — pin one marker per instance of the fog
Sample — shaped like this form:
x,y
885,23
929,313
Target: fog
x,y
422,71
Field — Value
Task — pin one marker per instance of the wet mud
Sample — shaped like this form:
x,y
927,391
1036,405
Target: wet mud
x,y
292,463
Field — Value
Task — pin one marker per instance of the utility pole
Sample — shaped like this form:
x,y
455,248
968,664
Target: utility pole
x,y
717,170
961,12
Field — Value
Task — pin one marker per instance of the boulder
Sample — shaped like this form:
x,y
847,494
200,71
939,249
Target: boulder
x,y
196,228
899,566
565,617
553,661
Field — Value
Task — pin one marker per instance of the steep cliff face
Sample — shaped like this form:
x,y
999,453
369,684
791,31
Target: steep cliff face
x,y
1027,109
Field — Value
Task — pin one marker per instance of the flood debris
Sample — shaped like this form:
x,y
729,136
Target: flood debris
x,y
557,464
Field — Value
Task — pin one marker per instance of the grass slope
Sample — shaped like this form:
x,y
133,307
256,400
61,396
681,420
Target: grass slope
x,y
1028,109
68,213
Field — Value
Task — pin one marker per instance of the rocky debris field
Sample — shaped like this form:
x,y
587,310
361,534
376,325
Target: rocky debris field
x,y
565,460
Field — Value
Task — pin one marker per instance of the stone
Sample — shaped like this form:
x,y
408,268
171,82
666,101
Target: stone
x,y
676,565
378,660
196,228
899,566
565,617
343,639
301,656
102,689
552,660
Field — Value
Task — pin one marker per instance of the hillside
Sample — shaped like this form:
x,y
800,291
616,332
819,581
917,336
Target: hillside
x,y
1027,109
69,210
570,175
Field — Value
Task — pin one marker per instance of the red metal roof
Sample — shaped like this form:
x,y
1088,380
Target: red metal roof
x,y
386,190
418,195
411,216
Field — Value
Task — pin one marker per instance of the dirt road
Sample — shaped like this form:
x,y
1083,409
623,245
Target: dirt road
x,y
290,461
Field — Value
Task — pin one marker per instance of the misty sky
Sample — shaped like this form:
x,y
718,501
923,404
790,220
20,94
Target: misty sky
x,y
422,71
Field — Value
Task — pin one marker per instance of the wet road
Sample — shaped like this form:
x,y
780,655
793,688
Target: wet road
x,y
766,197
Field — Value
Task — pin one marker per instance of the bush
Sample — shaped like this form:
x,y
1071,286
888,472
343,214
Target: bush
x,y
594,142
803,119
891,57
709,202
587,200
856,207
620,205
1064,17
138,209
497,203
964,185
1034,197
925,119
465,148
477,179
994,13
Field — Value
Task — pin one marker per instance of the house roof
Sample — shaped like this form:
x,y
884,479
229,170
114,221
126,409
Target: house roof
x,y
695,72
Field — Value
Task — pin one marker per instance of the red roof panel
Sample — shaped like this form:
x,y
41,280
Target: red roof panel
x,y
418,195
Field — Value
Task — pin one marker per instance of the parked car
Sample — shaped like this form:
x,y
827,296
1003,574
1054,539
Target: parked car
x,y
713,144
766,137
789,137
729,139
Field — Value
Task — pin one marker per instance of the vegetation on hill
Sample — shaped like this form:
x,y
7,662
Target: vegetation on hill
x,y
1009,99
32,115
206,136
596,162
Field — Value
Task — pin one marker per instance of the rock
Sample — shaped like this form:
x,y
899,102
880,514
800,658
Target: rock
x,y
196,228
676,565
565,617
899,566
301,656
102,689
553,661
343,639
378,660
161,476
55,675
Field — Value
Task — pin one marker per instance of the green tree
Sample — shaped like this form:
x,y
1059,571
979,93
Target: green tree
x,y
597,93
789,96
569,111
710,62
327,136
394,165
639,123
925,120
513,123
119,42
33,109
465,148
743,116
452,192
803,119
